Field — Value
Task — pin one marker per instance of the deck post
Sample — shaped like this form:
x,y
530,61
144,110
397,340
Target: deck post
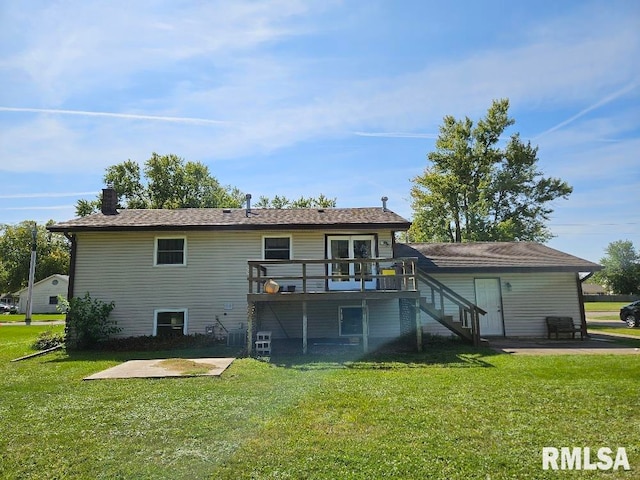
x,y
365,327
418,324
251,314
304,327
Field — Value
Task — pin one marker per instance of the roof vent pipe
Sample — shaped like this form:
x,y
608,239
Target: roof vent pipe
x,y
109,203
248,198
384,203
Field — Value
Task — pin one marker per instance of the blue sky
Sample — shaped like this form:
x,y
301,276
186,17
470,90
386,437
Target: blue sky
x,y
303,97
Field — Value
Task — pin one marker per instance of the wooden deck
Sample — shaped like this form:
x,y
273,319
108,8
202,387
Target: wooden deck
x,y
369,277
358,279
332,295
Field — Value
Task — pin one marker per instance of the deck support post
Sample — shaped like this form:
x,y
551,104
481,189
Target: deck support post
x,y
365,327
418,323
304,327
252,313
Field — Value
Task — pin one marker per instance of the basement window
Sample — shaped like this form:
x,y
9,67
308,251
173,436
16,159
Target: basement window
x,y
170,323
350,321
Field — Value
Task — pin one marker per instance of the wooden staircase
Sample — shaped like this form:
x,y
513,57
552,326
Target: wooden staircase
x,y
468,325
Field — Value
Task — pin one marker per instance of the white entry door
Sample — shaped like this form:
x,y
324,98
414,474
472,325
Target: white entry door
x,y
350,247
489,298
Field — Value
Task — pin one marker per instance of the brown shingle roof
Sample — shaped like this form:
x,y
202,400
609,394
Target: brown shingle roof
x,y
492,257
236,219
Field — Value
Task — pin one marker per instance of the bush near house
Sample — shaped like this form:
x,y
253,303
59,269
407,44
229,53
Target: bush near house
x,y
88,321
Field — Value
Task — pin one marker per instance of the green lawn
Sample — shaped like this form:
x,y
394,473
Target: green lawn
x,y
449,413
625,331
36,317
604,306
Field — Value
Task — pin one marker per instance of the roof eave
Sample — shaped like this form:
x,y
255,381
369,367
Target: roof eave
x,y
515,269
231,227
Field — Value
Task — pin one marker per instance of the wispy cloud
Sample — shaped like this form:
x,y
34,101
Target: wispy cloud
x,y
128,116
46,195
396,135
35,208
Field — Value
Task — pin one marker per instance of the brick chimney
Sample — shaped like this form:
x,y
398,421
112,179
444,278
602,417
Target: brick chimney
x,y
109,201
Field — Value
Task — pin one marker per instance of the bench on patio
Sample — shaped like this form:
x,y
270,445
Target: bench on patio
x,y
563,325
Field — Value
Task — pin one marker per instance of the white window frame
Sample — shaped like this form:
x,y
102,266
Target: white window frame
x,y
185,311
340,321
353,284
170,237
264,239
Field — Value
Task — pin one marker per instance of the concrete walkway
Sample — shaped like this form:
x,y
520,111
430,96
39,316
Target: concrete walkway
x,y
598,344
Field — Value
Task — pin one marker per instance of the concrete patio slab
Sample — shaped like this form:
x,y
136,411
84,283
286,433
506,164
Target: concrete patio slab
x,y
158,369
599,345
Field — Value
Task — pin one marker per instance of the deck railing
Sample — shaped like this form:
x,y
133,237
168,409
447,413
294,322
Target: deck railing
x,y
313,275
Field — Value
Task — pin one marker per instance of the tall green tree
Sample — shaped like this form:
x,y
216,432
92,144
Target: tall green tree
x,y
279,202
167,181
52,254
475,189
621,273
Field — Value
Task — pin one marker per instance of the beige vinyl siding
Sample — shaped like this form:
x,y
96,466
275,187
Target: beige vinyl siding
x,y
119,267
531,298
536,296
285,319
41,293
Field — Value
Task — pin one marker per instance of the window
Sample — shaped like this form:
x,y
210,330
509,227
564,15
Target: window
x,y
350,321
171,251
170,323
277,248
53,300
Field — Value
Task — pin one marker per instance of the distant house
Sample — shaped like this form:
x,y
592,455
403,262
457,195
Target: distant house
x,y
593,289
45,294
9,299
343,277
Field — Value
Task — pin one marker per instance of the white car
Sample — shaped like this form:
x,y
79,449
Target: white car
x,y
6,308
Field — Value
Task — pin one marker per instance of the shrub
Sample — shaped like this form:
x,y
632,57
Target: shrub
x,y
48,340
158,343
88,322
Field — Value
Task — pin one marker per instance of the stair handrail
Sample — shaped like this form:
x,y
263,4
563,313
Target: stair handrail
x,y
448,292
464,304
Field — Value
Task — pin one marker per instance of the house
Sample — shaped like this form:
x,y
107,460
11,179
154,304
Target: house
x,y
315,276
593,289
517,284
45,294
189,271
8,299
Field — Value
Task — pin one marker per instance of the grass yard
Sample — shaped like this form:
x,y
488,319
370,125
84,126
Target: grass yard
x,y
448,413
36,317
604,306
625,331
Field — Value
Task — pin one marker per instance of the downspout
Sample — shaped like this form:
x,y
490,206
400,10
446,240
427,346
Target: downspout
x,y
583,315
72,264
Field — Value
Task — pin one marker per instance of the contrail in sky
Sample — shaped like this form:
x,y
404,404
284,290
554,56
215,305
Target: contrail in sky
x,y
129,116
604,101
